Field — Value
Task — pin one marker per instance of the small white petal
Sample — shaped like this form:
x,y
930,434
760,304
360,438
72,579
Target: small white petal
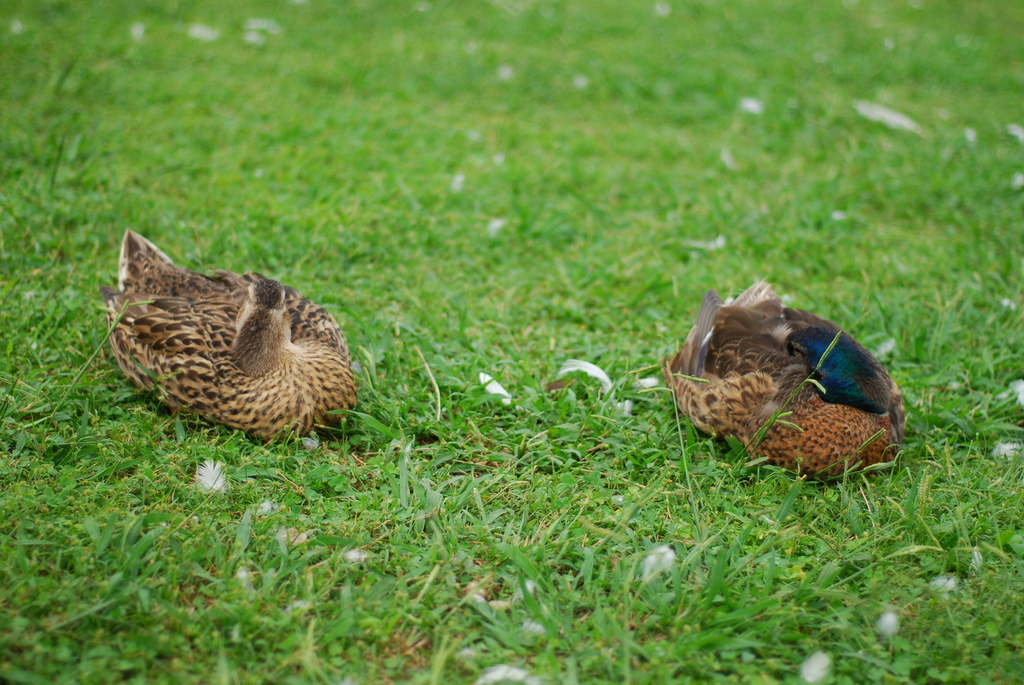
x,y
752,105
494,227
889,45
885,347
1014,130
471,47
884,115
1008,303
591,370
1018,181
494,387
659,559
422,6
971,135
838,215
820,57
727,159
580,82
268,25
618,500
506,72
356,556
533,628
977,560
499,158
815,669
138,31
458,180
204,33
662,9
17,27
503,673
210,476
887,625
254,38
716,244
474,135
1007,449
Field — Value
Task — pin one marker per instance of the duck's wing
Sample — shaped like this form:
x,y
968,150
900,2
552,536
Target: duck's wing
x,y
740,351
755,312
175,341
143,268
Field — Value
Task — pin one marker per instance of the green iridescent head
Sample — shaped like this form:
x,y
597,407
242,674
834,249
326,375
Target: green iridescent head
x,y
849,374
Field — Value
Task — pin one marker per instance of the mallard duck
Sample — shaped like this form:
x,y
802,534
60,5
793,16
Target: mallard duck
x,y
754,354
241,350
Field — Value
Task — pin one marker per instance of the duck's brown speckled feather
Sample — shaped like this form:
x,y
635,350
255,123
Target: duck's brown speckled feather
x,y
182,339
741,349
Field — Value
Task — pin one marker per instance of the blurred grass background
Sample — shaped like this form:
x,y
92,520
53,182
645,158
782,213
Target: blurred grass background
x,y
501,186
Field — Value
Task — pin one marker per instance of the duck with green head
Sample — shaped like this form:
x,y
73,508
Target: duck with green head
x,y
754,356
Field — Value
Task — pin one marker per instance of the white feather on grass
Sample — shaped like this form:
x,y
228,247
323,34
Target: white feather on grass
x,y
885,347
1017,388
751,105
203,33
1007,449
268,25
503,673
716,244
887,625
267,507
494,227
943,585
533,628
356,556
1017,132
884,115
210,477
816,668
244,579
495,388
658,560
592,370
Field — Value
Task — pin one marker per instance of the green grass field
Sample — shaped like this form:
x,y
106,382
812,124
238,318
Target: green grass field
x,y
498,187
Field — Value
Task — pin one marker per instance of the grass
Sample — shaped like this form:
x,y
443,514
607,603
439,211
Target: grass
x,y
325,158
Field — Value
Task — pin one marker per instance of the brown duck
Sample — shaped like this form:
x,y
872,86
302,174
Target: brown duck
x,y
241,350
754,354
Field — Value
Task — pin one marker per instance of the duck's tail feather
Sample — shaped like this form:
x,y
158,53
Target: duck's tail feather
x,y
759,292
133,248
